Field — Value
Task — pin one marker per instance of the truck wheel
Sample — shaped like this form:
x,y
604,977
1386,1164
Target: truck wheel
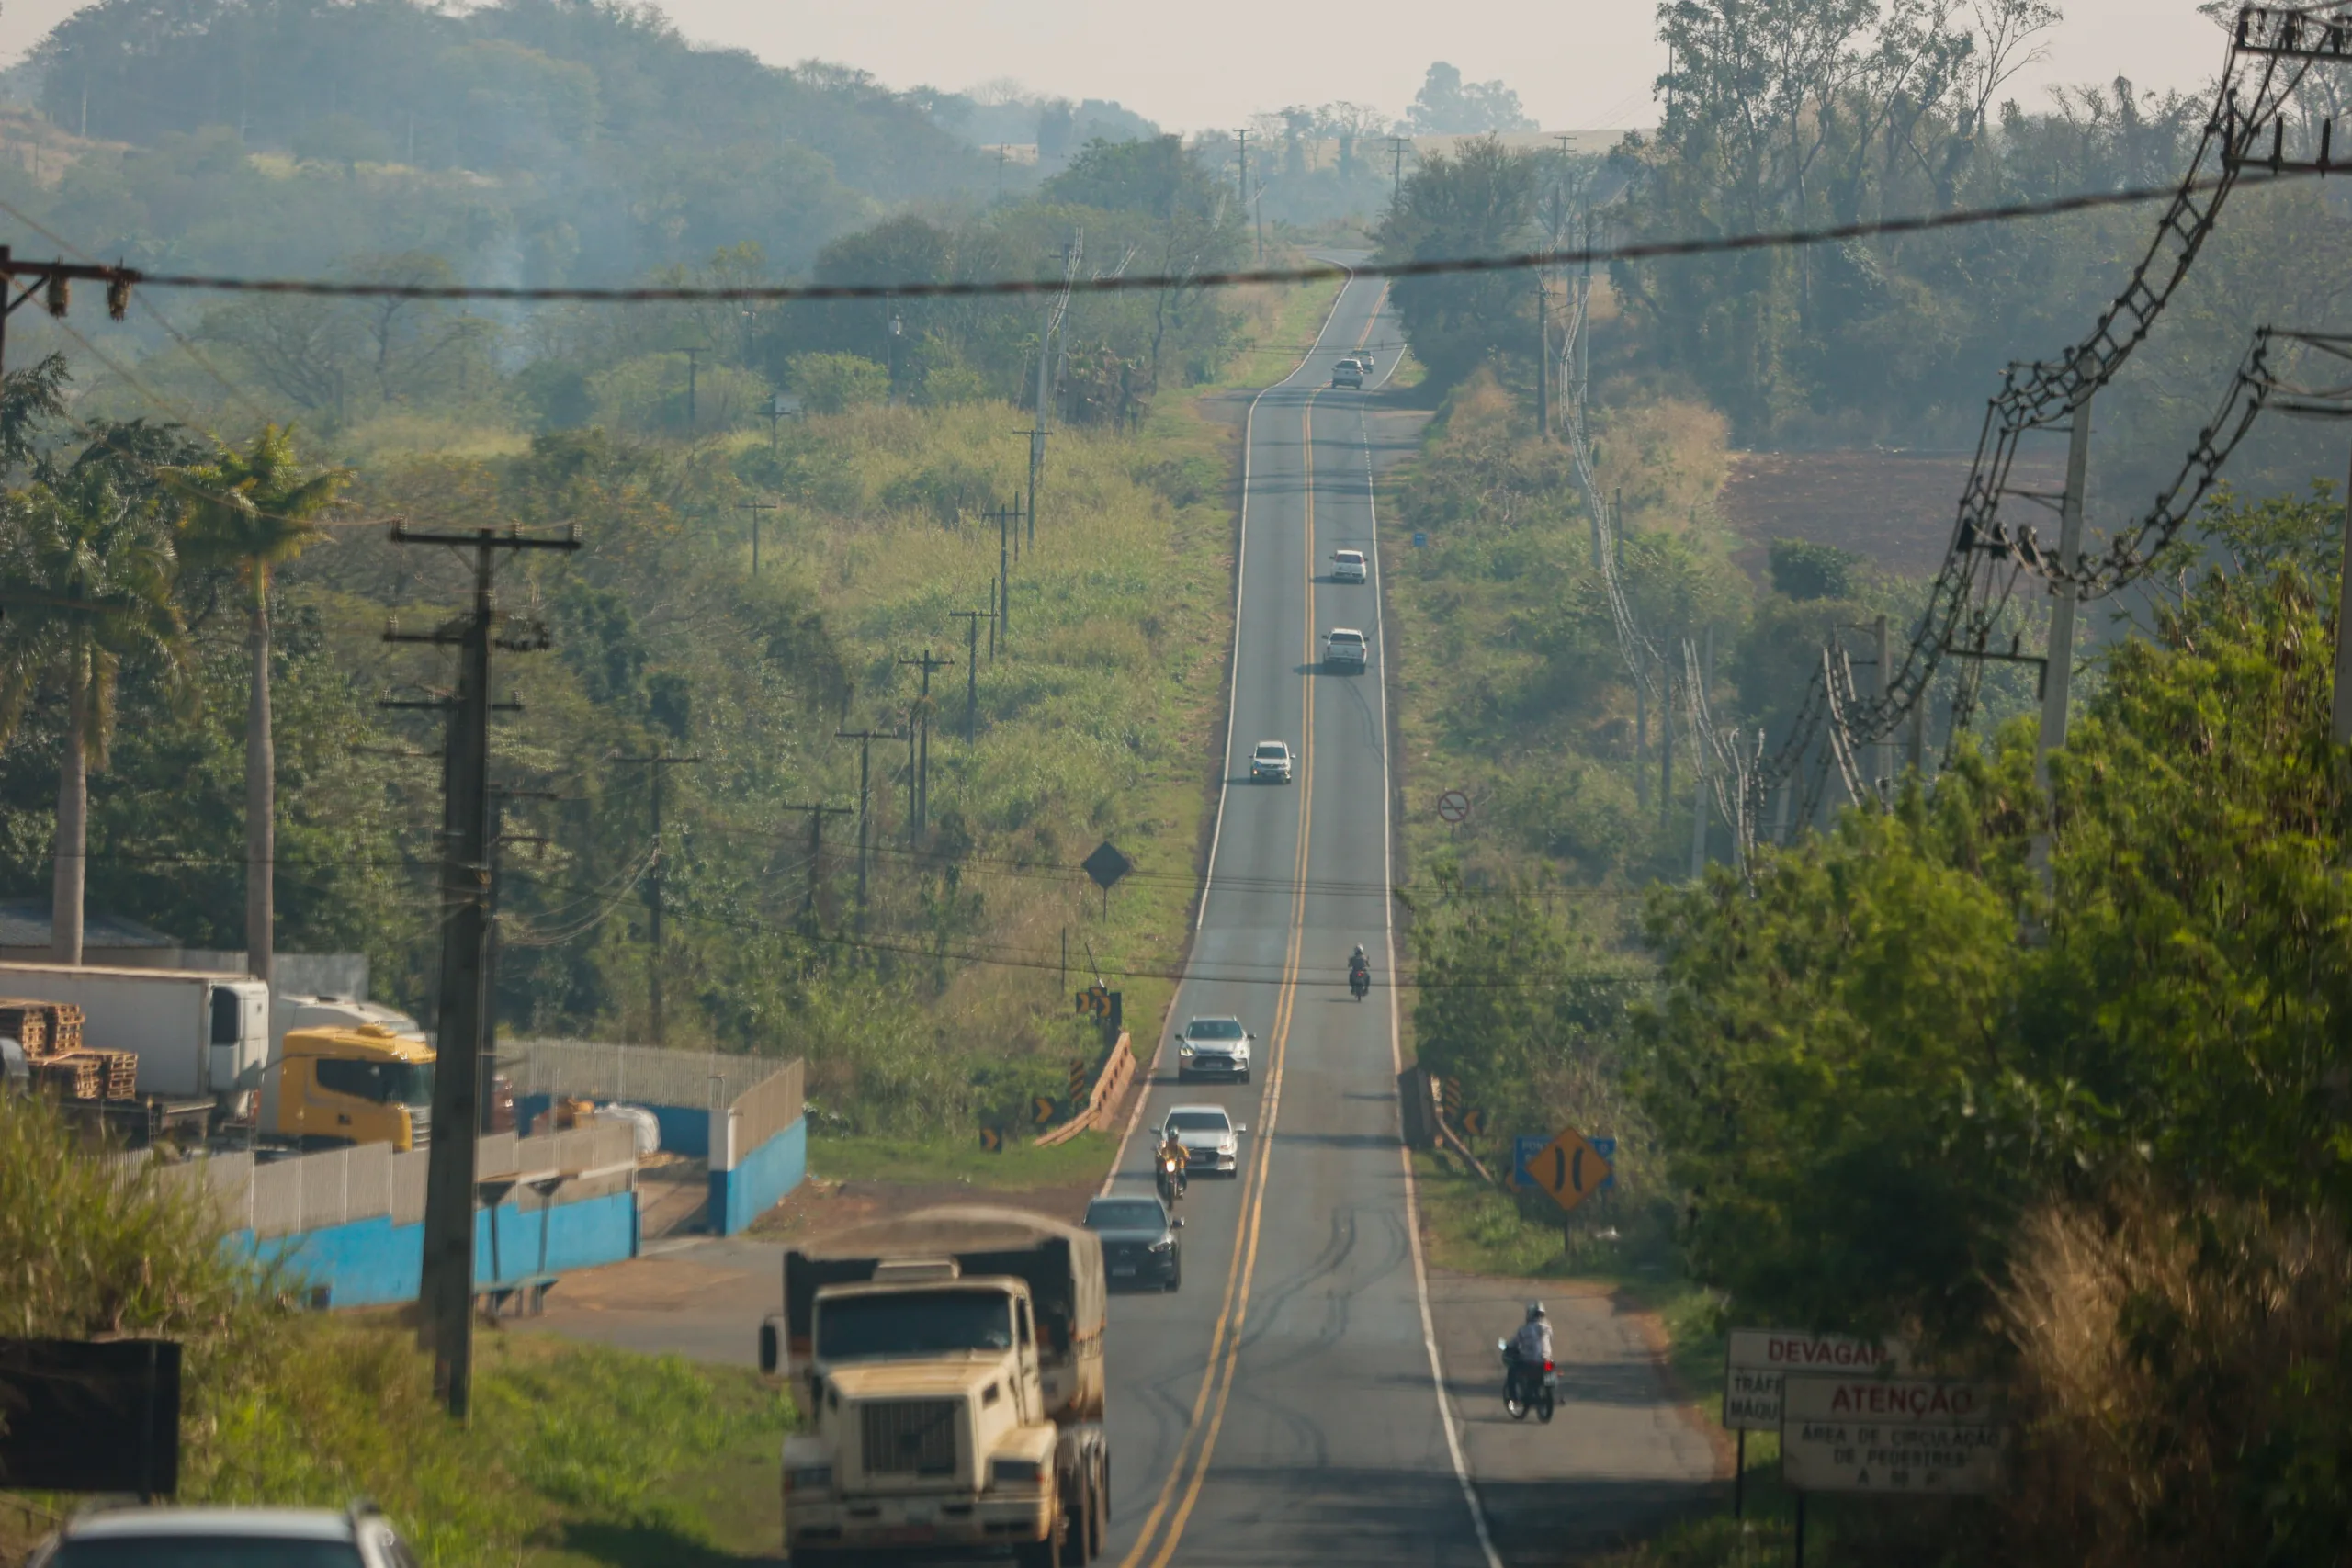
x,y
1076,1532
1045,1553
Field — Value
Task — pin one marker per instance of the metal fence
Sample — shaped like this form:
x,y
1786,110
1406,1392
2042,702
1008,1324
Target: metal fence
x,y
643,1074
758,1114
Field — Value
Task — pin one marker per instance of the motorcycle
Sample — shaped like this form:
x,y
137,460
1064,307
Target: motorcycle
x,y
1171,1175
1359,981
1526,1386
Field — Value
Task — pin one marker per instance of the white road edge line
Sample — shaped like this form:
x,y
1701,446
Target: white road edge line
x,y
1232,689
1445,1416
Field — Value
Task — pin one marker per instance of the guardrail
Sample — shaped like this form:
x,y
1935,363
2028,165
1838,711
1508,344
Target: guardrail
x,y
1110,1083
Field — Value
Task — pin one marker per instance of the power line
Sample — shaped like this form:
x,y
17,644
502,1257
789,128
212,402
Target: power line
x,y
1647,250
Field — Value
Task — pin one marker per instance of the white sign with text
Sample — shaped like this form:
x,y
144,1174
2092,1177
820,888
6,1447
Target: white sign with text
x,y
1911,1436
1759,1359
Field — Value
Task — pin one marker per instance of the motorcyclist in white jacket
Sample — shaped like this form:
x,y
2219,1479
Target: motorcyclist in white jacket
x,y
1531,1346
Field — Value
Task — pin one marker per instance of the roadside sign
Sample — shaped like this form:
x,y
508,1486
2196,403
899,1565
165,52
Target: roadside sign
x,y
1420,540
1522,1149
1568,1168
1094,1002
991,1140
1453,806
1106,865
1473,1123
1041,1110
1756,1360
1931,1437
1076,1080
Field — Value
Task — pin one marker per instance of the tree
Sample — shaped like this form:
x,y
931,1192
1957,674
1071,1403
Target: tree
x,y
85,580
1446,106
256,509
1480,201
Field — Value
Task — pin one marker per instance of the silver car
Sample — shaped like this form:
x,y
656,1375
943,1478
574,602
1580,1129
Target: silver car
x,y
1271,760
1213,1047
1211,1140
1344,648
225,1537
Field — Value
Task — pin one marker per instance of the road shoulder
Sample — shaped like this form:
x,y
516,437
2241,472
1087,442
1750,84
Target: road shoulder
x,y
1628,1452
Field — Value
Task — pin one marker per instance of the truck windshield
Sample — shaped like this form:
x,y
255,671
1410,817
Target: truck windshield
x,y
922,1323
406,1083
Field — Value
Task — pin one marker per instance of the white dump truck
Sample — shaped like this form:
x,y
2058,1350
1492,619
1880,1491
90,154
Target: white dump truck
x,y
951,1363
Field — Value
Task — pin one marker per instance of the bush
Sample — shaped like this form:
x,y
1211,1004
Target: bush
x,y
836,383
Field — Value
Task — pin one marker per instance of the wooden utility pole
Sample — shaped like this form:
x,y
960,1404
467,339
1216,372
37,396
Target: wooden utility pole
x,y
446,1287
694,368
755,507
1243,137
656,1025
865,739
927,664
1543,356
1396,186
972,669
2340,715
817,815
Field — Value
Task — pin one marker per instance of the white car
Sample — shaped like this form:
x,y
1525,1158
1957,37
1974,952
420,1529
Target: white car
x,y
1271,760
250,1538
1347,566
1213,1047
1343,648
1211,1140
1347,373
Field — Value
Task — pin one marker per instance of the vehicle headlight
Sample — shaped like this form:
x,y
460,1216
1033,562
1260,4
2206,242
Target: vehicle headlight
x,y
1016,1472
1165,1244
1183,1047
808,1478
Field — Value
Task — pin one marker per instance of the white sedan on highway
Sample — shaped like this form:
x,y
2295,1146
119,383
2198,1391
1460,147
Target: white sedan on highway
x,y
1211,1140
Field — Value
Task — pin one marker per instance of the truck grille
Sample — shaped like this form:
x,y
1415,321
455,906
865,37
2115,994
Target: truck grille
x,y
911,1436
420,1128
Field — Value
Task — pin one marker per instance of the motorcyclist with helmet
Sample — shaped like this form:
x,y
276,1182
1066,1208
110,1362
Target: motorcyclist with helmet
x,y
1530,1349
1169,1160
1359,972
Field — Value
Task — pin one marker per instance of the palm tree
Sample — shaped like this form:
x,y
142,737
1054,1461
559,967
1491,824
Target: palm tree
x,y
85,581
256,509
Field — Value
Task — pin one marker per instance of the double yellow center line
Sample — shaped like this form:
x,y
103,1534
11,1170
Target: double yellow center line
x,y
1225,1338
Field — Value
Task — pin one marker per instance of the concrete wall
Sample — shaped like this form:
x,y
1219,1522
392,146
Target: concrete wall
x,y
760,1180
374,1262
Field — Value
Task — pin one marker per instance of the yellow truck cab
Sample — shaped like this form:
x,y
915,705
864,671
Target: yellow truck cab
x,y
368,1084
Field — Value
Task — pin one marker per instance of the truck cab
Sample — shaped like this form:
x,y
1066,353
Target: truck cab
x,y
950,1366
371,1084
928,1415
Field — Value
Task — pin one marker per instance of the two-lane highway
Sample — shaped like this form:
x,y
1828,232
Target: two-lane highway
x,y
1285,1406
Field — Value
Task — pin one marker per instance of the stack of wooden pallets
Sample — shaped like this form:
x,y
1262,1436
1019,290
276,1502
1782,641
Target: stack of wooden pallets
x,y
51,1034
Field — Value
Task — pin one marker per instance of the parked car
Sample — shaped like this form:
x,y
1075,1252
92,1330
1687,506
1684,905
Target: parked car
x,y
1343,648
1347,566
1139,1242
359,1536
1211,1140
1271,760
1213,1047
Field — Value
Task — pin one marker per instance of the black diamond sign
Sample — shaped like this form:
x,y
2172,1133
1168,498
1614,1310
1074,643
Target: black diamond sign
x,y
1106,865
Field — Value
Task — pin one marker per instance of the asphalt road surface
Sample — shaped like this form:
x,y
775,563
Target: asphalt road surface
x,y
1285,1406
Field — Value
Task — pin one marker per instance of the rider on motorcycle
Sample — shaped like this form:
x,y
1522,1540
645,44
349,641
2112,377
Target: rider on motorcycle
x,y
1531,1346
1171,1158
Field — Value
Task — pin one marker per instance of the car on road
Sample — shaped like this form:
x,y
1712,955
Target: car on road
x,y
1347,373
1344,648
358,1537
1347,566
1139,1242
1211,1140
1271,760
1213,1047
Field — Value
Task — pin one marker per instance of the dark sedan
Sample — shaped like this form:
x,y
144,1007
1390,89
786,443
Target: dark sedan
x,y
1139,1245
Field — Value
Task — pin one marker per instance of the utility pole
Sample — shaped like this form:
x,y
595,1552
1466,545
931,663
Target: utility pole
x,y
865,739
1396,186
2340,715
52,281
892,324
972,669
755,507
2061,667
655,1024
775,411
1884,752
445,1298
927,664
1699,765
1036,467
817,815
1243,137
693,365
1008,521
1543,356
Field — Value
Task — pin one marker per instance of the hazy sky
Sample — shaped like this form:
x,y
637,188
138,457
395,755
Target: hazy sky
x,y
1576,64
